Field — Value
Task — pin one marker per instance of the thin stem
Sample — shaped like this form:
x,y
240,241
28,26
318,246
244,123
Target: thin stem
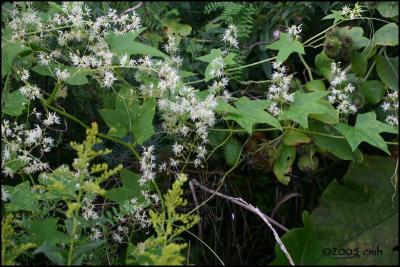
x,y
104,136
53,93
252,64
287,127
307,67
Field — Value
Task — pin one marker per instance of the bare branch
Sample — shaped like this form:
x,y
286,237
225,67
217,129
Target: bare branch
x,y
133,8
255,210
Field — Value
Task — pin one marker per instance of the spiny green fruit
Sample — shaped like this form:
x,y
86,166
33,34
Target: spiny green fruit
x,y
307,164
359,101
306,149
332,46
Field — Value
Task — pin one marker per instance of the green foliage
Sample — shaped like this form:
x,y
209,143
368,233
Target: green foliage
x,y
125,43
387,69
231,152
286,47
129,116
283,163
310,103
14,103
248,112
168,224
10,251
151,74
367,129
129,190
343,220
386,35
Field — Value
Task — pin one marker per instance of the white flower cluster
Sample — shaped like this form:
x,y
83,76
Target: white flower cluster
x,y
147,165
4,194
20,144
88,211
217,68
390,106
75,23
231,36
341,90
349,13
278,91
294,32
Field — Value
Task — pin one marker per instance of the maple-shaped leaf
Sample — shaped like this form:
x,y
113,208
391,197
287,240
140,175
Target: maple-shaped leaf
x,y
336,15
129,190
130,116
286,46
308,103
249,112
228,60
367,129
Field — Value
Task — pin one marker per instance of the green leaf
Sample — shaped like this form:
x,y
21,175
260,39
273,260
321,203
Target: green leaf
x,y
387,35
343,220
304,246
323,65
373,91
388,9
21,197
129,116
76,76
228,60
286,47
359,63
336,15
232,152
81,250
52,252
283,163
174,26
248,112
129,190
305,104
387,70
367,129
356,35
14,103
119,41
185,74
8,53
142,126
294,138
210,57
46,231
315,86
338,147
121,44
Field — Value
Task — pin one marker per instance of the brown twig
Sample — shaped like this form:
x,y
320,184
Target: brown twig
x,y
255,210
133,8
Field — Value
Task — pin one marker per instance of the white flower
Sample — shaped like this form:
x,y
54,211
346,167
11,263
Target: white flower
x,y
117,238
51,119
147,165
4,194
44,59
62,75
230,36
177,149
294,31
278,90
24,75
123,60
108,79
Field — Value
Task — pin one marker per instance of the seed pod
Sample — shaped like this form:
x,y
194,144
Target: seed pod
x,y
308,164
332,47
